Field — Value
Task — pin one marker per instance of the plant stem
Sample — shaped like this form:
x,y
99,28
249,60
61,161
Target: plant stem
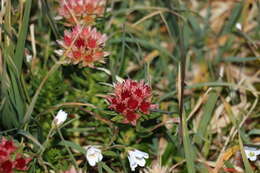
x,y
67,148
46,141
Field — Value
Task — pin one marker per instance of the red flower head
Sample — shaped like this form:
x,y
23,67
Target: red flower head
x,y
131,97
6,166
84,45
3,155
10,159
7,146
21,163
81,11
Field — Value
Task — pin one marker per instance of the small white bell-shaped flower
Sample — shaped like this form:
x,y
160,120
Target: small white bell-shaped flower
x,y
137,157
93,155
251,153
60,118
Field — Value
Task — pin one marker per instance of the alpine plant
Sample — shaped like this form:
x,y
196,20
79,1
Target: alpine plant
x,y
81,11
131,99
10,159
83,45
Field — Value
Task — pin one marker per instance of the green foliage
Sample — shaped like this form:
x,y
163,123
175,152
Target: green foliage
x,y
154,41
53,92
12,89
56,158
208,110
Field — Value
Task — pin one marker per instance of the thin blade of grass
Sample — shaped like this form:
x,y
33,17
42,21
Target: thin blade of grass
x,y
72,158
145,44
188,149
233,19
254,132
207,114
31,137
100,167
177,26
73,146
122,59
12,90
240,59
109,170
6,32
19,50
248,168
46,10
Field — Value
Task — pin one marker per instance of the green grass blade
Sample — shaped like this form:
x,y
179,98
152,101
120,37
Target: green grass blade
x,y
11,89
72,158
210,84
248,168
240,59
19,50
233,19
188,149
73,146
254,132
7,33
46,10
30,137
207,114
8,110
109,170
122,58
146,44
100,167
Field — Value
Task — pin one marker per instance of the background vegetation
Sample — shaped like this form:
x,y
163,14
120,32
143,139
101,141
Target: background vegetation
x,y
213,44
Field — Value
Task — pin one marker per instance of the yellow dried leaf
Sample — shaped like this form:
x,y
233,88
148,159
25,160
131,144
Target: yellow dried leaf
x,y
229,152
148,58
225,156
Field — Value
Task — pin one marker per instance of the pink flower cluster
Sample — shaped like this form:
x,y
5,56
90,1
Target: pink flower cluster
x,y
84,45
131,97
83,11
9,160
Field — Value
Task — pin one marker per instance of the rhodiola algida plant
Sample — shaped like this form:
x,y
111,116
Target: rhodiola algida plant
x,y
129,86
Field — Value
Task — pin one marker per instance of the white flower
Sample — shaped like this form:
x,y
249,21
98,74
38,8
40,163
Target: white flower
x,y
251,153
57,17
59,52
60,117
239,26
28,58
93,155
136,158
